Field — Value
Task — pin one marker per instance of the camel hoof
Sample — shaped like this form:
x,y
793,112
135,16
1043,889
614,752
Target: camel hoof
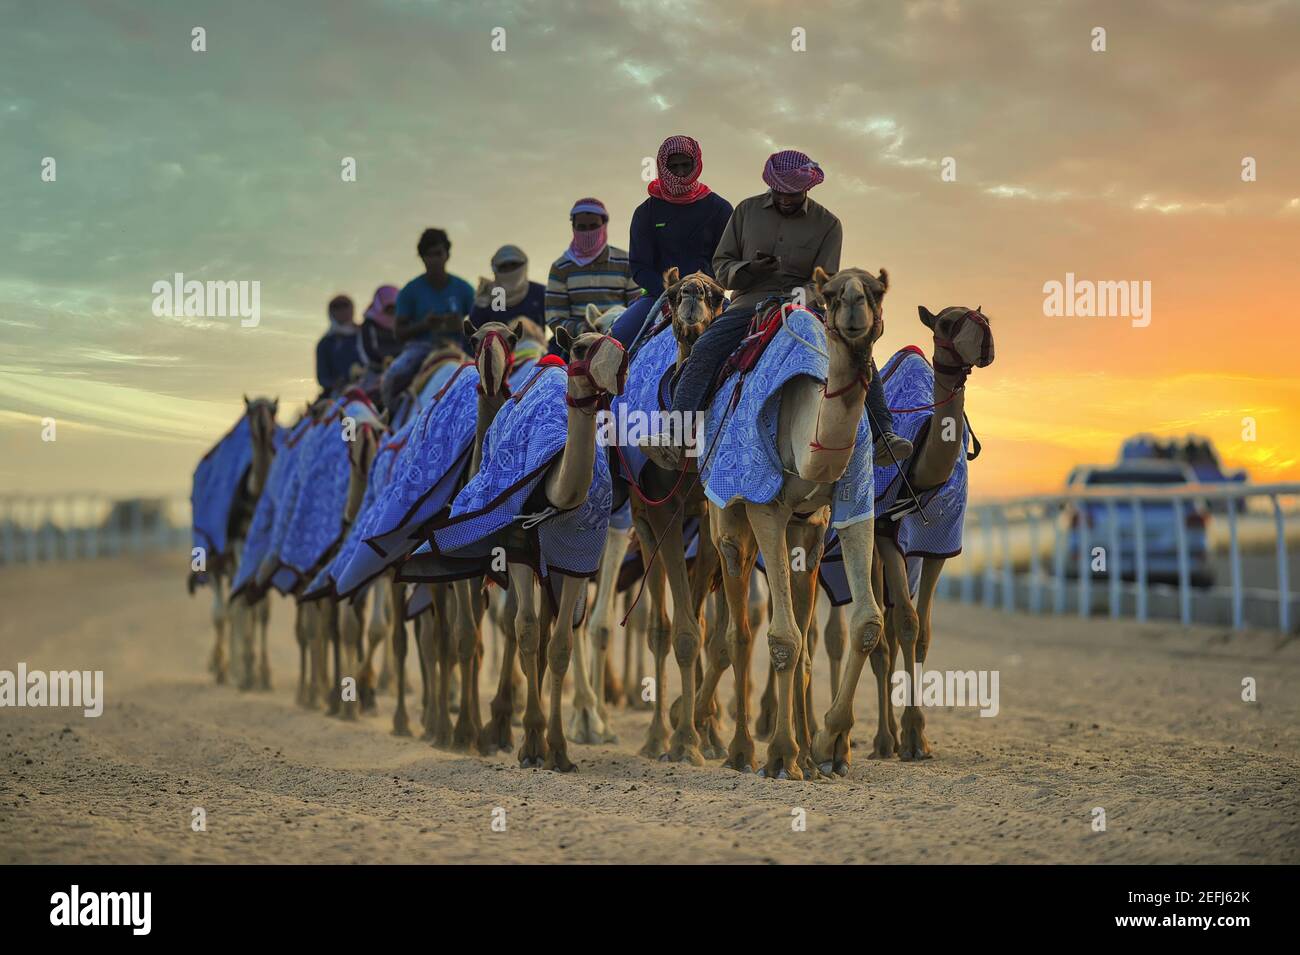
x,y
560,765
709,751
826,768
401,729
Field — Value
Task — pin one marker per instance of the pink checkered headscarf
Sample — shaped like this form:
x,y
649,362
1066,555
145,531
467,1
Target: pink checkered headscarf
x,y
677,189
791,171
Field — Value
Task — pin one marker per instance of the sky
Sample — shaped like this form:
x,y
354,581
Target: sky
x,y
976,150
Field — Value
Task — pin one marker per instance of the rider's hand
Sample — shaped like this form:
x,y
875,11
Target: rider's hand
x,y
766,263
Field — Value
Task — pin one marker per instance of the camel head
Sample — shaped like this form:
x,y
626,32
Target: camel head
x,y
597,366
603,321
962,334
494,354
261,419
854,310
261,426
695,300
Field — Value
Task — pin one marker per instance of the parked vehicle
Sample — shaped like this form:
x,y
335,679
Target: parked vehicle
x,y
1158,519
1196,452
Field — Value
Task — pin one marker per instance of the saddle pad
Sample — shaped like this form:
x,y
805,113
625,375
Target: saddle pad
x,y
653,360
909,383
274,498
526,437
216,483
739,459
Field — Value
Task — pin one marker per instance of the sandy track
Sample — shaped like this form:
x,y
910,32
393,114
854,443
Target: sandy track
x,y
1145,721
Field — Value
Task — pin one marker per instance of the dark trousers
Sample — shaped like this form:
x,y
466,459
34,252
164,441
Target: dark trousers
x,y
721,339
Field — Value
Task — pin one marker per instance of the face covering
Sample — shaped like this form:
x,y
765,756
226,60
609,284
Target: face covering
x,y
679,190
587,246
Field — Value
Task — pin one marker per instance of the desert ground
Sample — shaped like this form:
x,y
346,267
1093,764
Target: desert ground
x,y
1144,721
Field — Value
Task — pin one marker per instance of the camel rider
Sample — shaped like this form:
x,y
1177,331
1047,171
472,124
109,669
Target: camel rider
x,y
431,310
509,295
770,247
337,351
377,341
679,225
590,272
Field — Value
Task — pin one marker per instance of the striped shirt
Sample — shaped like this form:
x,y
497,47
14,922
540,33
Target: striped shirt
x,y
605,281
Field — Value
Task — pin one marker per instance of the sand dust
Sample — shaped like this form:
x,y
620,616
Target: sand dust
x,y
1145,721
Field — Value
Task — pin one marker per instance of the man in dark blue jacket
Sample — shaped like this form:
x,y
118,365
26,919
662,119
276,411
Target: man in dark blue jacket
x,y
337,351
679,225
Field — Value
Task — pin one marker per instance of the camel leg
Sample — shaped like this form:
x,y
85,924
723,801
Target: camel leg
x,y
444,651
219,665
585,725
390,593
329,618
243,642
351,617
425,635
931,568
604,615
497,734
687,636
734,542
381,631
834,635
305,697
809,537
468,638
532,752
912,742
558,652
657,636
634,645
766,720
717,661
831,745
784,636
261,614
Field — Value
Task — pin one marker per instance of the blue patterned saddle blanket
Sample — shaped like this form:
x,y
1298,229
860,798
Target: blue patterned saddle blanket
x,y
528,434
739,458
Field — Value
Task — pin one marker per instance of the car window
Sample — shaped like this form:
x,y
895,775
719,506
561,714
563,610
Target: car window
x,y
1136,477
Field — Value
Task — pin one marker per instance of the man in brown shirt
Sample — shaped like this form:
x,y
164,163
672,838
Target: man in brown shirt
x,y
770,247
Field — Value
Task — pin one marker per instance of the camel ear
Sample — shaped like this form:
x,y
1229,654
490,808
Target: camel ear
x,y
468,328
820,278
884,279
928,318
593,316
275,405
672,276
248,405
563,337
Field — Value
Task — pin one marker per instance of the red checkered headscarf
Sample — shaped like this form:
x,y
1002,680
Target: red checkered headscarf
x,y
677,189
791,171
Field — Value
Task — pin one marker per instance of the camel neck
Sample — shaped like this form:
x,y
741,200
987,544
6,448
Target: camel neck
x,y
570,478
826,433
934,460
488,406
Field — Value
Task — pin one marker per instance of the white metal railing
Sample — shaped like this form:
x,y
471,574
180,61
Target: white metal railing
x,y
998,568
79,525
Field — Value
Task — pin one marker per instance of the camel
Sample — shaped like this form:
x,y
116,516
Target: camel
x,y
494,345
534,511
261,432
592,692
659,508
962,340
817,433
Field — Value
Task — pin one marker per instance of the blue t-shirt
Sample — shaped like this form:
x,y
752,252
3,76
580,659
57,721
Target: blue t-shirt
x,y
418,299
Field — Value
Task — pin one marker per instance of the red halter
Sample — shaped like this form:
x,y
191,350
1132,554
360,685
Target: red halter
x,y
582,369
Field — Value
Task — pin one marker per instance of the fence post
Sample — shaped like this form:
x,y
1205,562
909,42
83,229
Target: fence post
x,y
1035,564
1059,539
1283,575
1140,556
1085,569
1184,572
1114,562
1234,560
